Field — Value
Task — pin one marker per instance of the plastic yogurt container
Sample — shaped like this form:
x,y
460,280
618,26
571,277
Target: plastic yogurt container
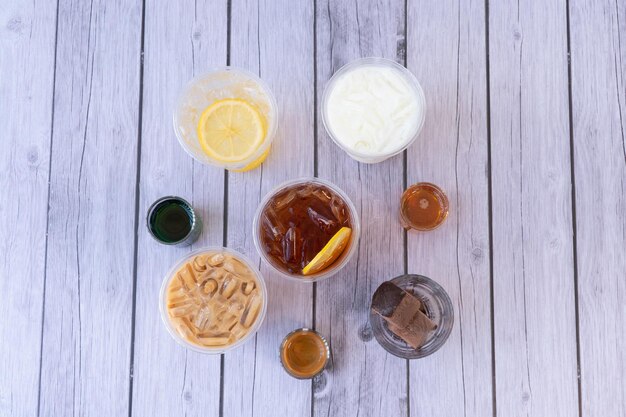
x,y
373,108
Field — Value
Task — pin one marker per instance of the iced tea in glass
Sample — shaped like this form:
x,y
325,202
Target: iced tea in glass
x,y
301,222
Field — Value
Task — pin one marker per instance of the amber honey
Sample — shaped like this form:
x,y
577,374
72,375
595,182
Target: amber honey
x,y
304,353
423,206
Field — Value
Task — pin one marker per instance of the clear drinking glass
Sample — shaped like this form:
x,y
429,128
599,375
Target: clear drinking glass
x,y
438,308
172,221
423,207
310,353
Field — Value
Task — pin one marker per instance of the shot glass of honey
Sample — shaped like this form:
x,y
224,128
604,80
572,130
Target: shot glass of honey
x,y
304,353
423,207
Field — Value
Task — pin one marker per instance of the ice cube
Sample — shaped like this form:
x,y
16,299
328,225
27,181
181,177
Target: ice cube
x,y
176,297
283,201
185,328
304,258
321,221
182,308
271,224
236,307
306,190
238,331
202,319
199,263
290,244
230,284
247,287
210,287
269,229
210,273
219,339
322,195
187,277
176,286
236,267
216,260
274,248
220,314
339,210
252,311
230,321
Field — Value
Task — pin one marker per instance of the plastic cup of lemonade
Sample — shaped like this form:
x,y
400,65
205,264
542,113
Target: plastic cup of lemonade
x,y
226,118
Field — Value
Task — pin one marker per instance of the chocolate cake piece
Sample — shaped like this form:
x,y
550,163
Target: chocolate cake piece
x,y
404,314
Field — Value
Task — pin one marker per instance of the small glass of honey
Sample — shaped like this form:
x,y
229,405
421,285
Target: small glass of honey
x,y
304,353
423,206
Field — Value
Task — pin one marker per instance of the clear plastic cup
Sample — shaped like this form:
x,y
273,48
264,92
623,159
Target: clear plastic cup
x,y
163,301
372,158
345,257
222,83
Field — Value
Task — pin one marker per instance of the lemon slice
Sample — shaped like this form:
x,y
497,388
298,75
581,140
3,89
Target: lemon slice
x,y
230,130
329,253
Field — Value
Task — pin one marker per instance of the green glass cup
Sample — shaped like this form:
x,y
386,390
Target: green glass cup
x,y
172,221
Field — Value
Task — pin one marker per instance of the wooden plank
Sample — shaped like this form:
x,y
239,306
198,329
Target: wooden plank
x,y
181,41
88,299
364,379
27,40
275,40
533,274
446,51
598,70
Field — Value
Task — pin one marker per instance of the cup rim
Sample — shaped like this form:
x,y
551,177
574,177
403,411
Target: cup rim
x,y
325,273
170,275
368,61
304,329
272,122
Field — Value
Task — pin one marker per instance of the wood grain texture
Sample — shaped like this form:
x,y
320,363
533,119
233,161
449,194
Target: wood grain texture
x,y
533,274
181,41
446,51
73,200
275,40
598,70
360,367
27,39
88,298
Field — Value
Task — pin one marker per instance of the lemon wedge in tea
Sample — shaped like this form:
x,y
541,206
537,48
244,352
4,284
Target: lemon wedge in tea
x,y
329,253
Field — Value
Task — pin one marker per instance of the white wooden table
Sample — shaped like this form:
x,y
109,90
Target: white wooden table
x,y
524,130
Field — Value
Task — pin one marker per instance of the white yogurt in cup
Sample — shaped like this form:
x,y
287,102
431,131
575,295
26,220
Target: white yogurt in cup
x,y
373,108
